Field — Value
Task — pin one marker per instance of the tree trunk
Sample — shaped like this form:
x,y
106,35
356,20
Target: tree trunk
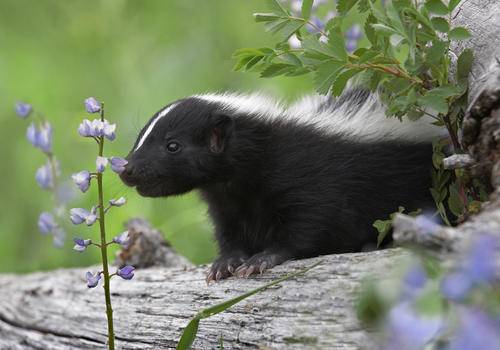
x,y
55,310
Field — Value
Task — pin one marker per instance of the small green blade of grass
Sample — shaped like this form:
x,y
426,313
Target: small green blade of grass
x,y
189,333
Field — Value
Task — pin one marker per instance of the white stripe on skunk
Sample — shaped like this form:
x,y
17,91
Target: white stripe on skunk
x,y
152,125
357,120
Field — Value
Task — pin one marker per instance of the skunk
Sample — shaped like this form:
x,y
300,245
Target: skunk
x,y
285,183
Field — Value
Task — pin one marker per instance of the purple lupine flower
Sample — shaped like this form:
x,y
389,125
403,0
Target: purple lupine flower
x,y
456,286
109,130
123,239
479,263
426,225
118,164
92,105
82,180
318,25
58,237
92,280
31,134
85,128
126,272
44,176
80,215
81,244
100,164
408,330
415,279
23,110
46,222
476,330
353,35
44,137
118,202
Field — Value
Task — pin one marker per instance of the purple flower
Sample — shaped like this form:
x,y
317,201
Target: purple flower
x,y
408,330
92,280
85,128
100,164
118,202
456,286
318,25
82,180
44,176
126,272
46,222
426,225
92,105
354,33
415,278
31,134
477,330
109,130
58,236
23,110
44,137
479,262
123,239
118,164
81,244
80,215
351,45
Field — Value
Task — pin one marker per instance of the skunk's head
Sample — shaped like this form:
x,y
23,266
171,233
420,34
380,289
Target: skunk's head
x,y
182,147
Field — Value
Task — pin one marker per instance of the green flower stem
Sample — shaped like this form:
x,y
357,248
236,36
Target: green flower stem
x,y
104,250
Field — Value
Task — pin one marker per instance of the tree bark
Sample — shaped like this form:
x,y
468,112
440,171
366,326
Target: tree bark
x,y
55,310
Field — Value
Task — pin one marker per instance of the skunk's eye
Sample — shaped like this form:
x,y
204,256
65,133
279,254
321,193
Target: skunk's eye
x,y
173,147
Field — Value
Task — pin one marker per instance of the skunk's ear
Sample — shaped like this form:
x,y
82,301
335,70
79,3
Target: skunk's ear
x,y
221,129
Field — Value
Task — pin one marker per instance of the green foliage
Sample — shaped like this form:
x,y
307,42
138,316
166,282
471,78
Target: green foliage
x,y
407,60
383,227
189,333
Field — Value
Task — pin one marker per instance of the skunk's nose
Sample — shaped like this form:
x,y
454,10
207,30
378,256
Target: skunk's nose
x,y
128,175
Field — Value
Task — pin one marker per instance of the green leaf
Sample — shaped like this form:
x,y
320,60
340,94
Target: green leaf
x,y
265,17
336,43
455,201
291,58
290,28
437,7
452,4
436,102
189,335
343,6
275,6
276,69
342,79
326,75
369,31
464,64
440,24
436,52
384,30
383,227
306,8
459,33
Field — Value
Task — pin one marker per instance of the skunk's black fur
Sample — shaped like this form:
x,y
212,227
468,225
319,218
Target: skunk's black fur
x,y
281,187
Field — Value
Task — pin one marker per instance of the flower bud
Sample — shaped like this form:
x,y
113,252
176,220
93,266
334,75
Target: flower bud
x,y
23,110
78,215
31,134
81,244
44,176
118,164
82,180
118,202
127,272
44,137
46,222
123,239
100,164
92,105
109,131
92,280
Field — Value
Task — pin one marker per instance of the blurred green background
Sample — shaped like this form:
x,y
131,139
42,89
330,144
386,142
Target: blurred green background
x,y
136,56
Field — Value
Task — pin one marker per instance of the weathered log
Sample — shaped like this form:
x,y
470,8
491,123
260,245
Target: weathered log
x,y
55,310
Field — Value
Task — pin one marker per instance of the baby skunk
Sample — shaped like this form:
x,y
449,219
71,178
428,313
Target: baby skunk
x,y
285,183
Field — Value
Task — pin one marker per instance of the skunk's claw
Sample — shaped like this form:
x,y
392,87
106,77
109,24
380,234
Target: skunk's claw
x,y
258,264
223,267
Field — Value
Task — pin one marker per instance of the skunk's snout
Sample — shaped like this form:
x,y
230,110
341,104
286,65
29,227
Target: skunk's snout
x,y
129,175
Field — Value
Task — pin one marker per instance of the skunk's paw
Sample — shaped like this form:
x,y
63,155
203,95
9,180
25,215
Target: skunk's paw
x,y
259,263
224,267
